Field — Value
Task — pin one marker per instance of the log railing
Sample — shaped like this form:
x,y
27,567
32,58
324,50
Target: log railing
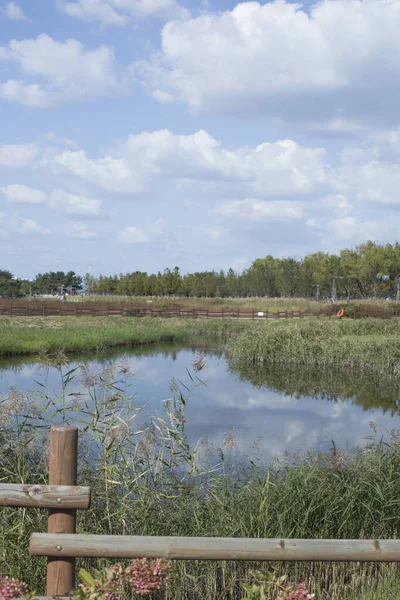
x,y
44,496
62,497
61,545
214,548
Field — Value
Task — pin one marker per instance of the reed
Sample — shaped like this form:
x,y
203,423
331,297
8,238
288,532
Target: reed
x,y
353,345
146,479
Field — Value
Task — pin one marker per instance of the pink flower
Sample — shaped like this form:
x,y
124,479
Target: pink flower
x,y
144,576
11,588
298,592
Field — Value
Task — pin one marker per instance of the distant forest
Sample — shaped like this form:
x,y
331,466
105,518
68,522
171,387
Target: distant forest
x,y
370,270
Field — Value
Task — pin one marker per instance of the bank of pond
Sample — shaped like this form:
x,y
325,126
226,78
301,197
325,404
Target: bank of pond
x,y
357,345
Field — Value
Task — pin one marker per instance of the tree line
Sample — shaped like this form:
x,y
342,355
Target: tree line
x,y
370,270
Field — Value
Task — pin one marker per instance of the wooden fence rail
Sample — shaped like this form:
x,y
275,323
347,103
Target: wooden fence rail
x,y
214,548
61,545
65,309
44,496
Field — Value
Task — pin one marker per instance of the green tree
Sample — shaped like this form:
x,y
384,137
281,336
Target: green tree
x,y
9,287
172,281
89,283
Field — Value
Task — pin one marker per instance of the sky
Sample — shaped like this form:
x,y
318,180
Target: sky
x,y
149,134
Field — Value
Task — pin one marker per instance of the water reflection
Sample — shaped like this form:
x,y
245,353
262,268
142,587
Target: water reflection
x,y
366,390
279,410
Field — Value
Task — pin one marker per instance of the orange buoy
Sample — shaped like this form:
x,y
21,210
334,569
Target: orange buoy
x,y
340,313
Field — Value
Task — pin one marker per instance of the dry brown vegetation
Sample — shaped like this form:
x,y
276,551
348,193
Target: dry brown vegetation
x,y
115,305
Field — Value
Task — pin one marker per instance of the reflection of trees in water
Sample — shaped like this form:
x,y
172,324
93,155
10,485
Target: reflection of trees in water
x,y
367,390
163,349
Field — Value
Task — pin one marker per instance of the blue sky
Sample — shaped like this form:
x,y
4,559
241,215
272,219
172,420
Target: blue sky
x,y
144,134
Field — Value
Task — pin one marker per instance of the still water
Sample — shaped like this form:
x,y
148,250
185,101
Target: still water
x,y
278,410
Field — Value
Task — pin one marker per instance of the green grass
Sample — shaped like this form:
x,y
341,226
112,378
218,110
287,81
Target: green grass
x,y
352,345
31,335
149,481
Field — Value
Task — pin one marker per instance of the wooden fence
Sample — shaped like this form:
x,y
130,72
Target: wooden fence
x,y
76,309
61,545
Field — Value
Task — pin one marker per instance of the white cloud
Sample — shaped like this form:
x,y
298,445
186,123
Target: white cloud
x,y
260,210
22,194
378,182
79,231
132,235
122,12
337,66
216,233
280,169
13,225
17,155
239,264
280,191
313,223
162,97
353,230
17,91
337,204
76,205
58,140
66,71
111,174
13,11
92,10
157,228
372,170
141,235
30,226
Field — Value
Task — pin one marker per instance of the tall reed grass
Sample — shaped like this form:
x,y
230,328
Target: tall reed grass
x,y
367,344
147,479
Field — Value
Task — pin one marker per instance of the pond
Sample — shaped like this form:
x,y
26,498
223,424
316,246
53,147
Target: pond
x,y
272,409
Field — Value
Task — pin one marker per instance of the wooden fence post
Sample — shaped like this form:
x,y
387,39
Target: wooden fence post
x,y
62,471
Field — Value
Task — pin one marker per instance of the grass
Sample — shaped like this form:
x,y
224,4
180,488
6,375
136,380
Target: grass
x,y
147,480
34,335
351,345
347,344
